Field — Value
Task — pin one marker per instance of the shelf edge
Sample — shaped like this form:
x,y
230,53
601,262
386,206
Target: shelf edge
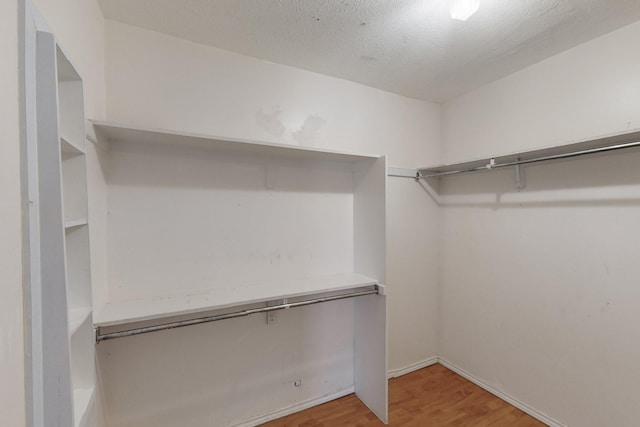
x,y
108,128
352,281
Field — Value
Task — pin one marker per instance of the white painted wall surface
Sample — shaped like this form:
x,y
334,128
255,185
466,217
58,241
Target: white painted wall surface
x,y
191,220
12,393
539,289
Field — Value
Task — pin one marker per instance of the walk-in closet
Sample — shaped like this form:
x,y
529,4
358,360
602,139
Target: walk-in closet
x,y
416,212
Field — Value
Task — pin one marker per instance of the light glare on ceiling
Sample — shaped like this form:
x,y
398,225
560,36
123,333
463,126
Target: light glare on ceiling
x,y
463,9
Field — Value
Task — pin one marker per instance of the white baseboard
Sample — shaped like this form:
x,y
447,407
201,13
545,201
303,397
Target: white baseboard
x,y
513,401
313,402
294,408
398,373
394,373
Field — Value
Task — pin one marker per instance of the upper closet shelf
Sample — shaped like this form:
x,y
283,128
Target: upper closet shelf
x,y
125,133
137,310
605,144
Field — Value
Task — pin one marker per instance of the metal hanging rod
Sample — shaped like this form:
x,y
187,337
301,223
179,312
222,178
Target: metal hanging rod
x,y
493,165
182,323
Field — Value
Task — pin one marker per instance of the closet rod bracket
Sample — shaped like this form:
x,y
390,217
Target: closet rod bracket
x,y
519,177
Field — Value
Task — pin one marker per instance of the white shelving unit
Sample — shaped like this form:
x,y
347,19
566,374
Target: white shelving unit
x,y
64,228
202,224
76,229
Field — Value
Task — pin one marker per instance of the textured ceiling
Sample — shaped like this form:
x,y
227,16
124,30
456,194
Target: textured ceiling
x,y
410,47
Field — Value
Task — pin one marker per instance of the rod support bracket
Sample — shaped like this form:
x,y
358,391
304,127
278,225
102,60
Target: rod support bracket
x,y
519,177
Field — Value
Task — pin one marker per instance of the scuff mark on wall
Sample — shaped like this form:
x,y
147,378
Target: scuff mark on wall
x,y
308,132
270,121
279,123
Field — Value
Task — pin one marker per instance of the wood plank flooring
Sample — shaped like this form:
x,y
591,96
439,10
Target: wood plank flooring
x,y
429,397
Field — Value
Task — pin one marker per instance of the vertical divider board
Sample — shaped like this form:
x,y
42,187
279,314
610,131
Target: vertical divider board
x,y
68,346
370,319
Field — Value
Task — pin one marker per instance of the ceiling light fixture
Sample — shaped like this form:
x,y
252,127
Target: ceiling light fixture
x,y
463,9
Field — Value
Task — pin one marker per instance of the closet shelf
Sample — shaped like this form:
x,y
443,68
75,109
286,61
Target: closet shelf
x,y
137,310
77,316
118,132
75,223
613,142
70,148
82,402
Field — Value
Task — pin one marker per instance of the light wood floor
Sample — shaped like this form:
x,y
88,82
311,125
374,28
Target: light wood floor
x,y
429,397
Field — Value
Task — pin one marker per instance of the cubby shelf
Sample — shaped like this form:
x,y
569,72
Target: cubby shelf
x,y
83,400
70,148
73,194
77,316
75,223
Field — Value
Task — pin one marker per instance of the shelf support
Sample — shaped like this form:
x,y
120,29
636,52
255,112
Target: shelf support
x,y
519,177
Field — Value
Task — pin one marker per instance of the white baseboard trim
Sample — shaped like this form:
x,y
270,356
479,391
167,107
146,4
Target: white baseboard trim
x,y
294,408
394,373
398,373
513,401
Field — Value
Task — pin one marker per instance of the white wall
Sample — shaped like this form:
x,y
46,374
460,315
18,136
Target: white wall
x,y
12,395
539,289
160,81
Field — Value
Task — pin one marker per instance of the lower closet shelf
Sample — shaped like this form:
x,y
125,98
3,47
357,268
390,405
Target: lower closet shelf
x,y
138,310
77,317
